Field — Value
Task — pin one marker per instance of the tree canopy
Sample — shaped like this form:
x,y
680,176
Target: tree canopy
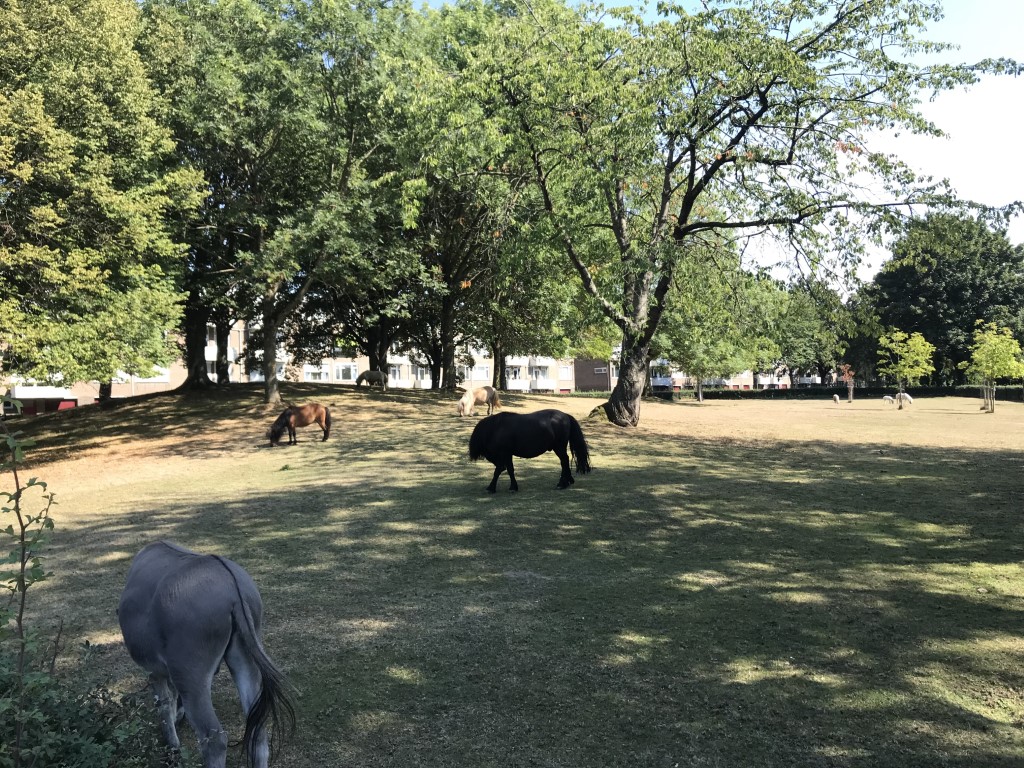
x,y
947,273
646,137
423,178
88,265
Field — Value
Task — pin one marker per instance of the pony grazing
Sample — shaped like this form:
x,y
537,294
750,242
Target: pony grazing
x,y
500,437
300,416
380,378
480,396
181,614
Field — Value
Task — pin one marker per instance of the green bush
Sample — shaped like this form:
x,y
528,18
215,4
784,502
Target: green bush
x,y
44,720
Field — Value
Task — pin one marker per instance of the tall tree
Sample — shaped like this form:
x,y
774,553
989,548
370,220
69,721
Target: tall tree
x,y
87,262
946,273
995,354
718,319
644,137
907,357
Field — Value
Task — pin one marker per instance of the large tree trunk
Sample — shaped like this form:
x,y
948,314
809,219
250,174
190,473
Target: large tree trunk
x,y
223,339
700,390
196,317
623,407
449,378
379,343
499,379
271,386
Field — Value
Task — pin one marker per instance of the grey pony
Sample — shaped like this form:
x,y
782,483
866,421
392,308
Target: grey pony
x,y
181,614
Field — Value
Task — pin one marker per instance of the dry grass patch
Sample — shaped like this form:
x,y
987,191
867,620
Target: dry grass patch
x,y
787,583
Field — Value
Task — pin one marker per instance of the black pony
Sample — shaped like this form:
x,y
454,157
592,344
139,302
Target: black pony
x,y
500,437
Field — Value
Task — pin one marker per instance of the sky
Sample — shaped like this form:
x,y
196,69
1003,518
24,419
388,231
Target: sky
x,y
984,155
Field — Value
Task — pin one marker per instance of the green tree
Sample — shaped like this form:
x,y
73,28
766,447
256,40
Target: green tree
x,y
717,318
809,327
287,109
905,357
995,354
947,272
644,137
88,264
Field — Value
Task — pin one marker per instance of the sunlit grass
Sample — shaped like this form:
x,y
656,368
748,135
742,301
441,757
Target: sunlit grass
x,y
744,584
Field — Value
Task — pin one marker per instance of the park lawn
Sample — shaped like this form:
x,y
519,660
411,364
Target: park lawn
x,y
784,583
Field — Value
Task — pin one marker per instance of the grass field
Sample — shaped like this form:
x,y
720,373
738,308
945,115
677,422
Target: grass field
x,y
786,583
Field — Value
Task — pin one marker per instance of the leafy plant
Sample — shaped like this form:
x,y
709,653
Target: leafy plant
x,y
905,357
43,721
995,354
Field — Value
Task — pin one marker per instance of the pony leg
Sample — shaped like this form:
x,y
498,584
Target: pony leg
x,y
566,479
213,741
167,707
513,485
498,469
292,438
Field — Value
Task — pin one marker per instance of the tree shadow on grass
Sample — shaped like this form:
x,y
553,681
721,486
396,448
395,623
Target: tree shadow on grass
x,y
712,604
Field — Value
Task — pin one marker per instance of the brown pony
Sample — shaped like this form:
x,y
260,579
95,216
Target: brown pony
x,y
480,396
300,416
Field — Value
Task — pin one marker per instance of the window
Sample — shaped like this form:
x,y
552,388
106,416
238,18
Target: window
x,y
600,370
345,372
315,374
565,372
394,372
211,334
211,367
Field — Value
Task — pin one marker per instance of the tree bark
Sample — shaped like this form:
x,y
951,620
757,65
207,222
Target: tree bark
x,y
223,339
623,407
271,386
196,317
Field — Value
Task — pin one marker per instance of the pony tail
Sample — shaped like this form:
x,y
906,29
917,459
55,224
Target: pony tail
x,y
274,703
497,400
327,422
578,446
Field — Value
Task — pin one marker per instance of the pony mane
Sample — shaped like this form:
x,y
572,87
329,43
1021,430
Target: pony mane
x,y
280,425
481,436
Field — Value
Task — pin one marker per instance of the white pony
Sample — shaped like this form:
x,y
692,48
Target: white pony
x,y
380,378
480,396
887,399
903,397
835,399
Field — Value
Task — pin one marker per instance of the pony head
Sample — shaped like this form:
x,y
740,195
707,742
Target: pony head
x,y
279,426
466,403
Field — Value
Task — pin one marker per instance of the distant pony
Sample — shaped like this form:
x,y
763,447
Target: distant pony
x,y
903,397
887,399
380,378
480,396
300,416
835,399
500,437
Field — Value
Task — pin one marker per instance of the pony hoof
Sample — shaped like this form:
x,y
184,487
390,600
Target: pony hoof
x,y
491,490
